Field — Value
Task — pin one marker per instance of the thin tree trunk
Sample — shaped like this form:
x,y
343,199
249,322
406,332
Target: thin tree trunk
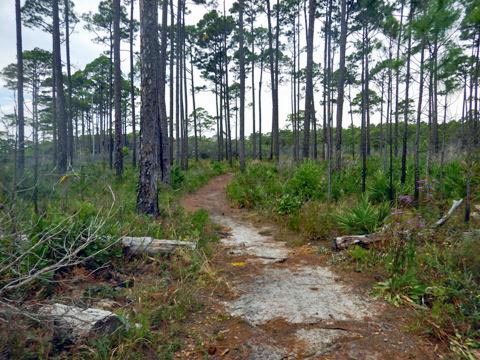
x,y
272,75
341,83
185,151
242,86
69,113
195,125
309,112
260,83
254,133
164,151
172,93
397,79
363,141
407,99
132,88
417,130
276,132
177,86
117,89
20,97
60,98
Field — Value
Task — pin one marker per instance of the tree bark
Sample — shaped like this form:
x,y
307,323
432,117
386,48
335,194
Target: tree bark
x,y
272,77
242,86
341,83
309,112
397,80
407,99
417,130
69,113
172,93
20,97
195,121
164,153
117,89
132,88
60,97
147,197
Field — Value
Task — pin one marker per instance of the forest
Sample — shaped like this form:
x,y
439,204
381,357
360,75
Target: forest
x,y
240,179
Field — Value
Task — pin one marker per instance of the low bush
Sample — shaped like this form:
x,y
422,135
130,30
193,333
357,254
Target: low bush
x,y
307,182
363,218
257,187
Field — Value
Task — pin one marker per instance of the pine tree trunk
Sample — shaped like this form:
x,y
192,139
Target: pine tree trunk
x,y
276,131
117,88
132,88
36,153
164,158
407,100
195,121
397,80
363,142
172,93
177,85
147,197
185,151
309,112
341,83
69,113
110,102
254,133
417,129
272,74
242,85
260,84
60,97
20,97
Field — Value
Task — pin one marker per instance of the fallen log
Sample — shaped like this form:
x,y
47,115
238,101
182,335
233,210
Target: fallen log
x,y
343,242
148,245
79,324
444,219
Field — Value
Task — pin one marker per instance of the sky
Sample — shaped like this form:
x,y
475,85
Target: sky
x,y
84,50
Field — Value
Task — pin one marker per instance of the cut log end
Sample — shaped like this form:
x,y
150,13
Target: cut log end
x,y
78,324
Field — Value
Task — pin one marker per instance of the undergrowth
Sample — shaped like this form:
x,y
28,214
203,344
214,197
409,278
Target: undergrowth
x,y
433,271
91,203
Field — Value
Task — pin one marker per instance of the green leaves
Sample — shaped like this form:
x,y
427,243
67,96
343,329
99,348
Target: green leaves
x,y
364,218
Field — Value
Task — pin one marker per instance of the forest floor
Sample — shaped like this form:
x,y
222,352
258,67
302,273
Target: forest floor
x,y
278,301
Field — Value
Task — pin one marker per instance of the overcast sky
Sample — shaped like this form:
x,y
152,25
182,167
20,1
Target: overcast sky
x,y
84,50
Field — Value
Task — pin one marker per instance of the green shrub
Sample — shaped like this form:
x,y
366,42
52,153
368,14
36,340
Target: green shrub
x,y
306,182
257,187
177,177
289,204
364,218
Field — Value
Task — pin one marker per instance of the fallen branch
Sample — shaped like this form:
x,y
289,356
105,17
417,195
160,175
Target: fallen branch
x,y
148,245
444,219
78,324
343,242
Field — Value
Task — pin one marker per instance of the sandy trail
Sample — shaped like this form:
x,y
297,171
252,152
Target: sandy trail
x,y
288,303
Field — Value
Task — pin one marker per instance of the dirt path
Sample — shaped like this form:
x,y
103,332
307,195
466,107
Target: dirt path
x,y
279,302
